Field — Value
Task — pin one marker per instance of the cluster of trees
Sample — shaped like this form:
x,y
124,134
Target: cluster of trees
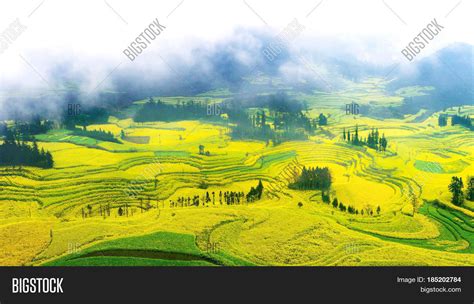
x,y
313,179
84,117
443,120
323,120
373,139
26,130
14,152
287,126
96,134
289,120
368,209
242,131
160,111
456,188
255,193
462,120
3,129
202,151
455,120
282,120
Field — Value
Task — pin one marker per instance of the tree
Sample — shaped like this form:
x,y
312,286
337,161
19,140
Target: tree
x,y
378,210
383,143
49,160
368,209
371,139
442,120
325,197
344,133
201,149
355,138
414,202
259,189
351,209
342,207
322,120
300,204
335,203
470,188
455,187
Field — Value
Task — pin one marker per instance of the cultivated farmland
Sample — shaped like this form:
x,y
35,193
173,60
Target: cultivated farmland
x,y
107,203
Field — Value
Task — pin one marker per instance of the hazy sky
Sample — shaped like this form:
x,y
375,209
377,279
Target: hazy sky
x,y
102,29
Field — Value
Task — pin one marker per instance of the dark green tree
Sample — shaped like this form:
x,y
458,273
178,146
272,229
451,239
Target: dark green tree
x,y
455,187
322,120
470,188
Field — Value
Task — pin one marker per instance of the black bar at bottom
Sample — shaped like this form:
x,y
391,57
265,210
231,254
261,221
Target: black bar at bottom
x,y
220,284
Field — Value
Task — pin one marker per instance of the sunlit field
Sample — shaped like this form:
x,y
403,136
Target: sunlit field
x,y
69,214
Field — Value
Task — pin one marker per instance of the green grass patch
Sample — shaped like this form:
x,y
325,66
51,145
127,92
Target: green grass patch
x,y
156,249
426,166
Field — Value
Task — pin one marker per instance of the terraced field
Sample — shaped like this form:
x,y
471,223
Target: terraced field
x,y
69,215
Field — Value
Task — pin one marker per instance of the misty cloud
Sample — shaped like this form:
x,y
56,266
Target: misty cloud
x,y
56,78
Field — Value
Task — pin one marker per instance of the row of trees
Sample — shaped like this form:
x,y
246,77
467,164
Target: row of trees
x,y
14,152
456,188
373,139
160,111
96,134
368,209
226,197
313,179
104,210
